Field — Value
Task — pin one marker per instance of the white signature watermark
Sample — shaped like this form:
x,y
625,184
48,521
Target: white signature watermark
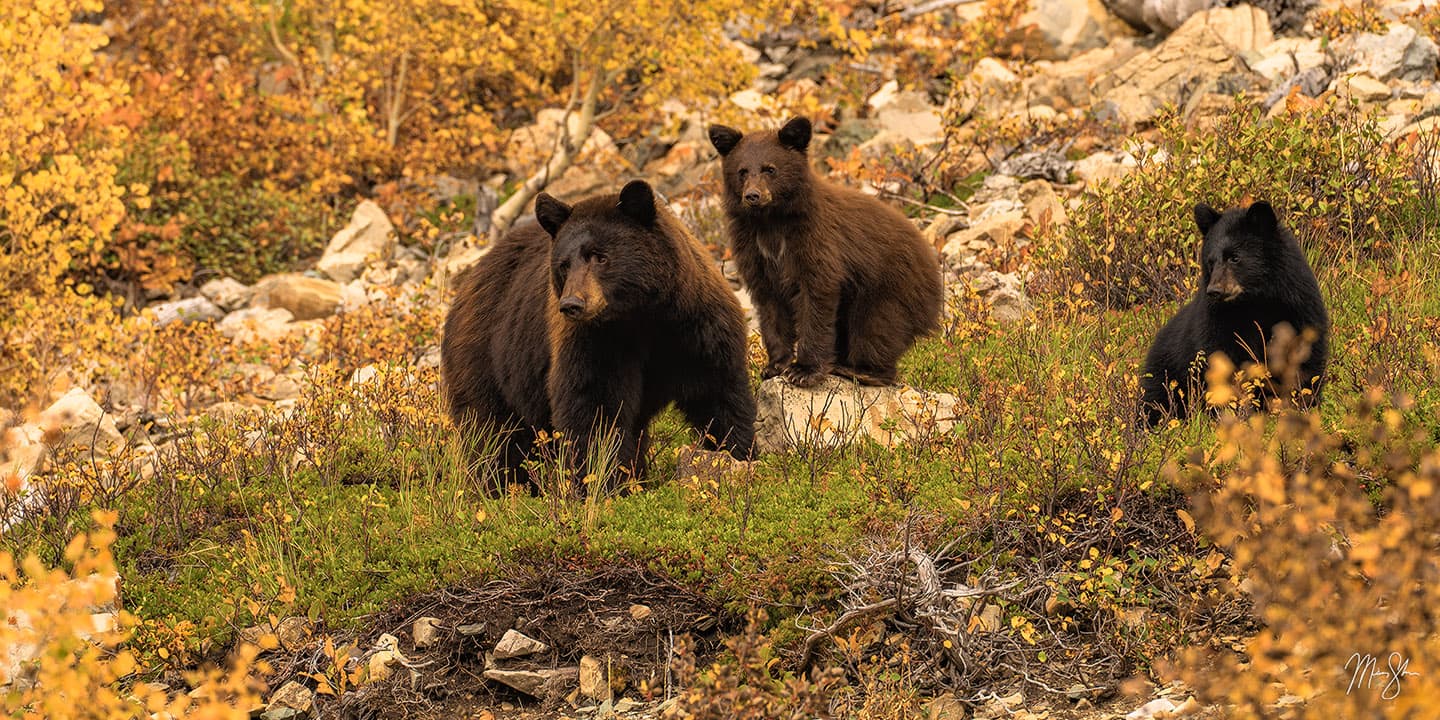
x,y
1366,676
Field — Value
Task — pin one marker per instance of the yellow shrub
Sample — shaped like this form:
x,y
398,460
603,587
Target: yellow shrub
x,y
59,201
1332,533
64,660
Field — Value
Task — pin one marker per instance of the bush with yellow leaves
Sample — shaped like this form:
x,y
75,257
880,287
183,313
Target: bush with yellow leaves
x,y
1332,531
61,659
59,201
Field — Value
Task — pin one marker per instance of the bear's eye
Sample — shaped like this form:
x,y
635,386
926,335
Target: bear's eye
x,y
599,258
1232,259
768,169
744,172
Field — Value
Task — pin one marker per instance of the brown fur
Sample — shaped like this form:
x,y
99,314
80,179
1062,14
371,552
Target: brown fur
x,y
843,282
590,323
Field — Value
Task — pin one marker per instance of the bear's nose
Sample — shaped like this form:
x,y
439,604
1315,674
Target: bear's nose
x,y
752,197
572,306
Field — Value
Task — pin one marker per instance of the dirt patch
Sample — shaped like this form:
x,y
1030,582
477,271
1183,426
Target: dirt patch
x,y
627,618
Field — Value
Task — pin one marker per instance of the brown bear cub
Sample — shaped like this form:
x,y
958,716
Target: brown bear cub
x,y
590,323
843,283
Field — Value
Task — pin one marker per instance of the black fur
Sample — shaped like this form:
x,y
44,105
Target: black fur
x,y
1254,277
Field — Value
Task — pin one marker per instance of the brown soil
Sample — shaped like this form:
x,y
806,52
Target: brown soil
x,y
576,612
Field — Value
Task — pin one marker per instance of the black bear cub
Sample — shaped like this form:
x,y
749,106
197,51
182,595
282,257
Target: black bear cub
x,y
842,282
1253,278
590,323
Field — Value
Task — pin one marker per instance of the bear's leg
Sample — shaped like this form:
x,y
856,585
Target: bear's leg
x,y
777,329
595,402
879,335
815,333
722,410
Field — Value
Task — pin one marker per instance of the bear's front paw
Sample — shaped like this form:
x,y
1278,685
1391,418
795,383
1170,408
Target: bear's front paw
x,y
804,376
774,369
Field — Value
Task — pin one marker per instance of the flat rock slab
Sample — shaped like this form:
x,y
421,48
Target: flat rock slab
x,y
839,411
537,683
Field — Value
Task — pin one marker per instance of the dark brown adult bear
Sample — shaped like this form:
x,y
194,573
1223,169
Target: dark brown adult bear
x,y
591,323
1253,278
843,283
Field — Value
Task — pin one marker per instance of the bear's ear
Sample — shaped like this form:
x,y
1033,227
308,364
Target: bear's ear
x,y
637,201
724,138
551,213
1205,218
796,134
1261,218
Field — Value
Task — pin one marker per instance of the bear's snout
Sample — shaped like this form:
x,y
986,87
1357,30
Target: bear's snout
x,y
572,307
1224,286
755,194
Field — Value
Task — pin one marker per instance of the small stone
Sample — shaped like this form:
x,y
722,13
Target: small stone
x,y
593,683
370,235
515,644
471,629
228,293
77,420
992,619
257,324
639,612
425,631
1151,709
293,632
946,707
294,696
1191,706
189,310
382,664
839,411
625,705
1363,88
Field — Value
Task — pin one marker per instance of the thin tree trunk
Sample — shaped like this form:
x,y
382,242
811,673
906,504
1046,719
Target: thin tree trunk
x,y
395,111
560,160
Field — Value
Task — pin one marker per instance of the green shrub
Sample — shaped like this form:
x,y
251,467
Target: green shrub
x,y
1345,192
193,223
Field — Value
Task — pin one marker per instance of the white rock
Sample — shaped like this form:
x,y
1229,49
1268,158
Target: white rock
x,y
515,644
82,423
1361,87
294,696
1400,53
460,258
536,683
257,324
425,631
1104,165
531,145
1288,57
885,95
838,411
1203,49
1152,709
370,235
751,100
911,115
228,293
189,310
593,683
1068,27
